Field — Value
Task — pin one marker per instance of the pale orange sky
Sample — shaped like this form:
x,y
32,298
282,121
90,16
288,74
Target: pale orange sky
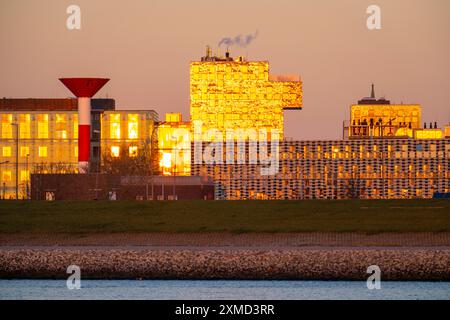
x,y
145,47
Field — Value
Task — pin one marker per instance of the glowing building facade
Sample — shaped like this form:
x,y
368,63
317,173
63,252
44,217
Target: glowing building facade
x,y
384,120
41,136
44,138
378,118
127,132
174,145
385,154
339,169
227,93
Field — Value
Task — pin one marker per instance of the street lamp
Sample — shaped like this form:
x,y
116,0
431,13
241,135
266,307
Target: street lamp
x,y
174,147
17,159
98,167
3,184
28,180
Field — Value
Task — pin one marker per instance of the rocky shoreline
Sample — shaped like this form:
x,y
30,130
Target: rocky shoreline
x,y
295,264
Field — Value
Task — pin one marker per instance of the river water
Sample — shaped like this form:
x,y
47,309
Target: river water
x,y
221,290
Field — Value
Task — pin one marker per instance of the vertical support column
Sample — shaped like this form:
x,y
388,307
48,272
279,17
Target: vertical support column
x,y
84,134
84,89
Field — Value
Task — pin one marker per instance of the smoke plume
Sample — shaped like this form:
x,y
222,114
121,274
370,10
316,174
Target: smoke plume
x,y
239,40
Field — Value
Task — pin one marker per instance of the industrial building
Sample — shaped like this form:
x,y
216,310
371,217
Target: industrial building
x,y
174,145
227,93
385,151
41,136
340,169
96,186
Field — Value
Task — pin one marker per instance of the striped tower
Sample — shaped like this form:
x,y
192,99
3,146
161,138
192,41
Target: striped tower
x,y
84,89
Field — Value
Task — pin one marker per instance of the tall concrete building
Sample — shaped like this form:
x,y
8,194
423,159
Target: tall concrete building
x,y
227,93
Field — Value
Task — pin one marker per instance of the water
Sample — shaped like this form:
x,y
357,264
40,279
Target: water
x,y
220,290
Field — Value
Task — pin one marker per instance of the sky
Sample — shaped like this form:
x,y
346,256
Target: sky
x,y
145,47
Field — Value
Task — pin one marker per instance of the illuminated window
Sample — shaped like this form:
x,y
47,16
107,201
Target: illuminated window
x,y
42,126
75,126
61,126
6,176
7,130
133,150
133,126
6,151
24,151
429,134
173,117
115,151
75,152
166,160
24,175
114,127
404,193
25,126
42,152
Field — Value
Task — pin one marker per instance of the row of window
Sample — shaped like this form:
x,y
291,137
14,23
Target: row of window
x,y
236,96
24,176
364,155
220,118
132,151
61,126
229,67
24,151
42,120
362,148
228,76
115,126
387,111
43,151
319,193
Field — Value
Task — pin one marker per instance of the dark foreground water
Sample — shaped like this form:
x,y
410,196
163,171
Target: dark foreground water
x,y
217,289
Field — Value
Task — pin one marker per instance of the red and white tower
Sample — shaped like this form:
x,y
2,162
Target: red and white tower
x,y
84,89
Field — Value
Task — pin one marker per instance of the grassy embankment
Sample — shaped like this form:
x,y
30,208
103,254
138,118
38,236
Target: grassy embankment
x,y
225,216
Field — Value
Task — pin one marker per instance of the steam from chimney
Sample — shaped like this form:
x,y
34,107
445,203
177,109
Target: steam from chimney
x,y
239,40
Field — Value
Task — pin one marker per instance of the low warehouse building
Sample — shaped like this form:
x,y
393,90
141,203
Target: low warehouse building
x,y
118,187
